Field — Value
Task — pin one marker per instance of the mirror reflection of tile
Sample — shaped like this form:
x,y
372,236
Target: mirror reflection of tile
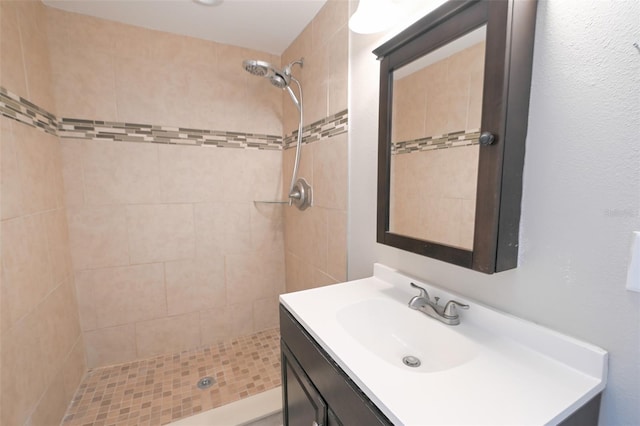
x,y
433,187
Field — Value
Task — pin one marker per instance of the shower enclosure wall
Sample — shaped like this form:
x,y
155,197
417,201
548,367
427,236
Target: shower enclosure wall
x,y
169,251
165,249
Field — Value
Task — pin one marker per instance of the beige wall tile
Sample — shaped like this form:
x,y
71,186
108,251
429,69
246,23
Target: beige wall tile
x,y
474,115
441,220
462,165
170,334
266,170
11,205
435,210
237,232
458,89
467,223
123,172
265,313
72,154
330,172
98,237
84,83
338,71
81,31
332,17
34,351
317,237
35,51
39,315
299,273
12,72
40,179
437,99
146,90
74,368
300,48
26,267
267,227
23,357
215,325
57,233
321,279
316,78
195,285
252,276
337,245
241,319
323,44
160,232
305,168
52,406
123,295
238,177
210,228
251,174
111,345
58,329
409,107
190,174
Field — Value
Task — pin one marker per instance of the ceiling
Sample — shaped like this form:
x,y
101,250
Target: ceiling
x,y
266,25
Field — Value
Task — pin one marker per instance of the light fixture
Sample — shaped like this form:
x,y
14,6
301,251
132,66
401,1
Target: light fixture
x,y
209,2
374,16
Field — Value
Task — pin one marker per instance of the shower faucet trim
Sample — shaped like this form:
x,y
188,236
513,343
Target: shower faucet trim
x,y
300,193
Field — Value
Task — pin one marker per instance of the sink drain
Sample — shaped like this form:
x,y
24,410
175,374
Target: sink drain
x,y
205,382
411,361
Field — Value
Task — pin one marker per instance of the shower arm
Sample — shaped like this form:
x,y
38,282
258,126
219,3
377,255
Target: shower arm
x,y
298,104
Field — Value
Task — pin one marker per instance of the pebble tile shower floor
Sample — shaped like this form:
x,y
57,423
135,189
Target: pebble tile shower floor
x,y
163,389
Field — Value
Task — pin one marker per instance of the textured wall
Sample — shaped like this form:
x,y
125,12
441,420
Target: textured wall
x,y
581,197
42,356
315,239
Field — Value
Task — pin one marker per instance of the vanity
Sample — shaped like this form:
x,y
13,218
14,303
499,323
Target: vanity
x,y
392,350
356,354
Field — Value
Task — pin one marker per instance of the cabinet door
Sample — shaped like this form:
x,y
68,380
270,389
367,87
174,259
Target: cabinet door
x,y
332,419
303,405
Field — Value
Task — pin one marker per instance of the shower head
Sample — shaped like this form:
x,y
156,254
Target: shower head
x,y
259,68
280,79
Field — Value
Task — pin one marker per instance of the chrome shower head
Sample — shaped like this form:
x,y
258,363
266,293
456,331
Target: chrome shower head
x,y
259,68
279,78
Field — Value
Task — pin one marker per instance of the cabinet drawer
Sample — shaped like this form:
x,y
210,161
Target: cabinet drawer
x,y
342,395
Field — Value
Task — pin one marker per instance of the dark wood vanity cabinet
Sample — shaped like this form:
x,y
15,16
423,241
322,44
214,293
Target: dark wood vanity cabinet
x,y
315,390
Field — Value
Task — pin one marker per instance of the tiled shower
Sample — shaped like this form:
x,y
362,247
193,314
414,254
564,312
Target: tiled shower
x,y
131,160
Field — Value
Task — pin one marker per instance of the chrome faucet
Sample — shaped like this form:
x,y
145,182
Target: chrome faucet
x,y
446,314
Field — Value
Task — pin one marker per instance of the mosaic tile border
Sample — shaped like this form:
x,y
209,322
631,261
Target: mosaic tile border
x,y
20,109
132,132
23,111
333,125
447,140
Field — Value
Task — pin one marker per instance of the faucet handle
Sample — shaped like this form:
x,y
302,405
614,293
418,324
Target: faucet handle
x,y
450,308
423,292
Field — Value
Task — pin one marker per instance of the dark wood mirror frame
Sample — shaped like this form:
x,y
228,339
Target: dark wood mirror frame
x,y
505,109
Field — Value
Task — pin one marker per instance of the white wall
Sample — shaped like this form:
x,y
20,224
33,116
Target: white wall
x,y
581,197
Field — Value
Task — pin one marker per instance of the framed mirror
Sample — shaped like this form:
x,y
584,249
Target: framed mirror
x,y
454,97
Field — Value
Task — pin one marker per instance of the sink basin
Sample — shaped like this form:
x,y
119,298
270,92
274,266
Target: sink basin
x,y
392,331
492,369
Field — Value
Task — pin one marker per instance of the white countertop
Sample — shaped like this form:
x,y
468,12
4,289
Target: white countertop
x,y
520,374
